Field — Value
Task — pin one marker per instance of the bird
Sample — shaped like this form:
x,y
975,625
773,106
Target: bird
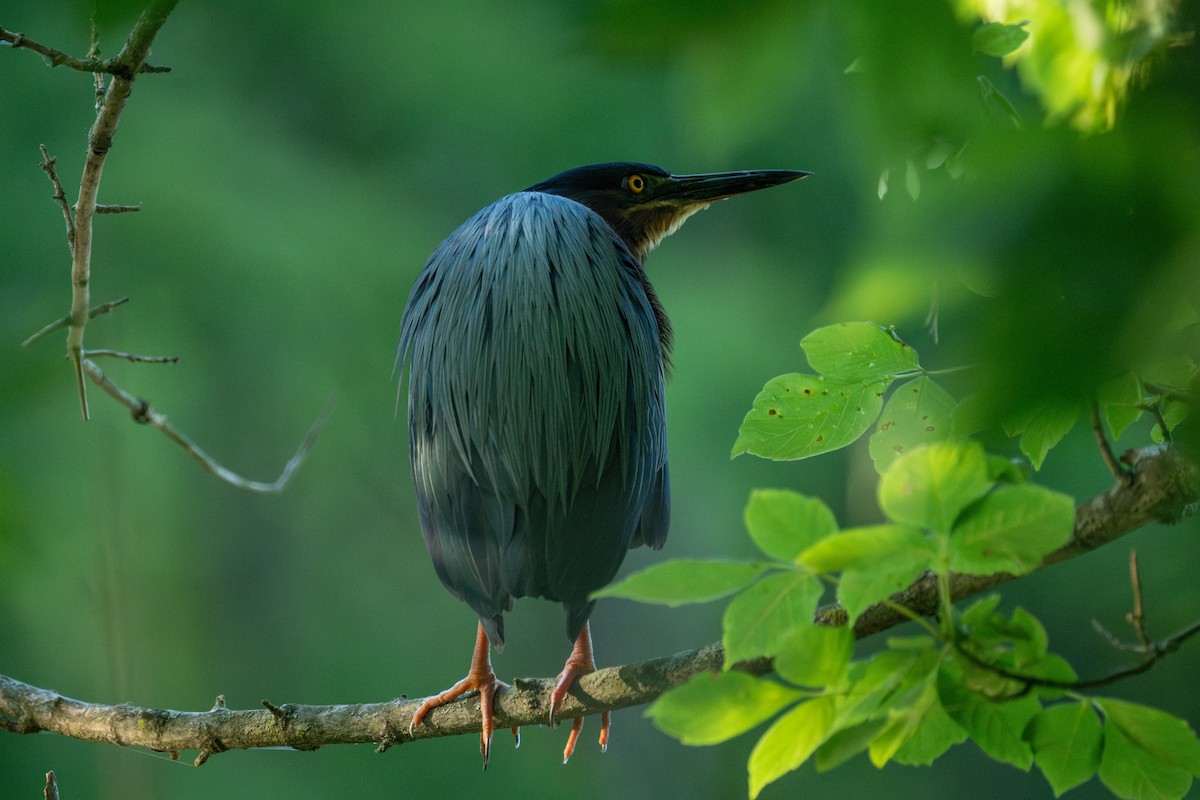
x,y
536,352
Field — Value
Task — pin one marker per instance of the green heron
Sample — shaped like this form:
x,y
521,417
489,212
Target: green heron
x,y
536,351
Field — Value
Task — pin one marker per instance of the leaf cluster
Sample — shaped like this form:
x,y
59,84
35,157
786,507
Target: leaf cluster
x,y
949,507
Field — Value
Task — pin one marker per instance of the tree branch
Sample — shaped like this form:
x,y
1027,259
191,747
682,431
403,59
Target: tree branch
x,y
112,66
79,223
131,59
1163,487
145,414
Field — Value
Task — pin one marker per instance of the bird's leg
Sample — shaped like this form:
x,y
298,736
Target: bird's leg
x,y
580,662
480,678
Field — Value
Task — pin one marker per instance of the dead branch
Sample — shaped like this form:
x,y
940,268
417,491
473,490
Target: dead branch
x,y
79,223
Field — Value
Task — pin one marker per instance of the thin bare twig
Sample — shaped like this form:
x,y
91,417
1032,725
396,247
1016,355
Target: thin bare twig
x,y
63,322
1106,452
112,66
47,164
131,59
1158,650
131,357
116,209
1137,617
143,413
51,790
97,77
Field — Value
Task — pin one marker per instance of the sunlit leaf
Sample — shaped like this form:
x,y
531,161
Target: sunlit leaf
x,y
1066,742
1011,530
858,351
757,619
875,684
930,485
862,587
847,743
875,562
904,720
796,416
815,655
685,581
789,742
711,708
784,523
858,547
917,413
936,733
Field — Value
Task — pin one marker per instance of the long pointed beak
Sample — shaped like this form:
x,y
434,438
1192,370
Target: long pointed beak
x,y
691,189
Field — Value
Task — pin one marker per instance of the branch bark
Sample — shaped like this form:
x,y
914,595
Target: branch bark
x,y
131,59
1163,486
124,67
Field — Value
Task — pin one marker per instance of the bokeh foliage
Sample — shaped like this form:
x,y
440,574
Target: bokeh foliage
x,y
296,168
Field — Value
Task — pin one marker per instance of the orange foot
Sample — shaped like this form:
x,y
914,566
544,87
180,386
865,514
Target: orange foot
x,y
580,662
480,679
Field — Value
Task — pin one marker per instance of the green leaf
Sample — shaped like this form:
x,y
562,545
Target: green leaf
x,y
1120,400
858,351
1173,413
875,562
996,726
904,720
939,151
972,415
994,97
784,523
796,416
912,180
847,743
936,733
815,655
1130,772
1042,428
930,485
1011,530
789,742
998,39
713,707
1066,744
855,548
875,684
1167,738
1007,470
682,581
859,589
758,618
917,413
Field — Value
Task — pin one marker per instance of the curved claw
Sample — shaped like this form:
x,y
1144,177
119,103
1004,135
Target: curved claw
x,y
480,679
580,662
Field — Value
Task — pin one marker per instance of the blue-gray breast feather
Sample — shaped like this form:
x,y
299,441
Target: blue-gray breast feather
x,y
535,397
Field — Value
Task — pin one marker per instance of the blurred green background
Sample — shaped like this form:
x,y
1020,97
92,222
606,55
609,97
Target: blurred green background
x,y
299,163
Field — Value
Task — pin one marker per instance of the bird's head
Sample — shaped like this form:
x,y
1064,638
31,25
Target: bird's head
x,y
644,203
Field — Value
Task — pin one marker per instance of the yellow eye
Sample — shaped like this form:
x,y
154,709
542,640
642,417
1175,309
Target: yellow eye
x,y
635,184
